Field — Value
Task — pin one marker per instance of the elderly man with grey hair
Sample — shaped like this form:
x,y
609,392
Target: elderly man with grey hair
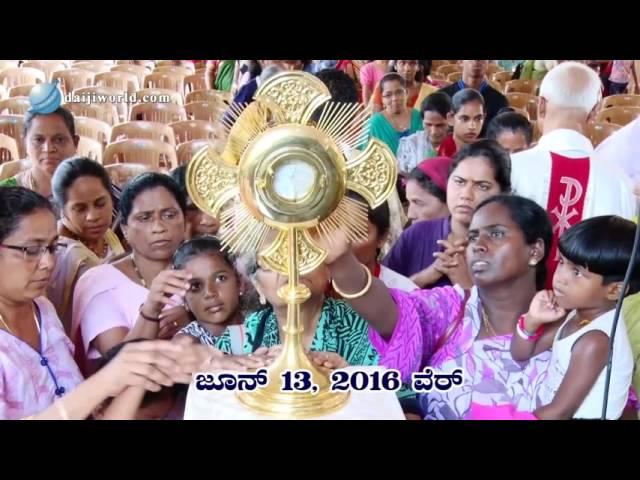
x,y
560,173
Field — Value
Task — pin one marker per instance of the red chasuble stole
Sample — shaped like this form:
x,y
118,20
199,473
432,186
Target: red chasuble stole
x,y
565,205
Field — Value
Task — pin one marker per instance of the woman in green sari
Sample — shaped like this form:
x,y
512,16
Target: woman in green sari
x,y
330,326
334,334
396,120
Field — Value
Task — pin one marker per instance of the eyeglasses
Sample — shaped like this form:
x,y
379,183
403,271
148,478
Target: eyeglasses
x,y
34,253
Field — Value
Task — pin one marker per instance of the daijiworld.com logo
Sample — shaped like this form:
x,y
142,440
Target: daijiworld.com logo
x,y
45,98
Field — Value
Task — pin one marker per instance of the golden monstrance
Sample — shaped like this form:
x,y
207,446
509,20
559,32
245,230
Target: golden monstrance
x,y
283,175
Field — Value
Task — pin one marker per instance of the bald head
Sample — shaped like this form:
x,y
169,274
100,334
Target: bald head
x,y
573,86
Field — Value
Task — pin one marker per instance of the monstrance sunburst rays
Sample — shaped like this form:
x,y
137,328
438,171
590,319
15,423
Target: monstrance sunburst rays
x,y
284,98
282,177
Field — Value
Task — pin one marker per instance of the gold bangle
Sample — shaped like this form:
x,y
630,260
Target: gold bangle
x,y
361,293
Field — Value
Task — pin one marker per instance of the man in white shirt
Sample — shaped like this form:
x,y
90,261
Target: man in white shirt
x,y
559,173
622,149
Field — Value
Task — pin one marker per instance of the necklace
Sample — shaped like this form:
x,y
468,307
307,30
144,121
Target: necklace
x,y
397,125
105,247
103,254
105,251
582,323
35,319
8,328
487,325
70,232
135,267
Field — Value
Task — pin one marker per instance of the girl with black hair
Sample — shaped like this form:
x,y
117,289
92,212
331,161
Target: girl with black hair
x,y
511,130
214,298
575,320
466,119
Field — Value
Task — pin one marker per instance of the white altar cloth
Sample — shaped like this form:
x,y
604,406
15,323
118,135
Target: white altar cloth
x,y
224,405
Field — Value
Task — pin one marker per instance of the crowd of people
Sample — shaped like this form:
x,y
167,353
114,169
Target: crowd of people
x,y
499,253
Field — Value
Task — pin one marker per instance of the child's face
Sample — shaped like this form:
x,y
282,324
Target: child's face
x,y
201,223
214,296
575,287
467,122
512,141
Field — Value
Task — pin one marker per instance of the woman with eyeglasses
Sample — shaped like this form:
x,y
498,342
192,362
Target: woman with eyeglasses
x,y
396,120
39,378
36,359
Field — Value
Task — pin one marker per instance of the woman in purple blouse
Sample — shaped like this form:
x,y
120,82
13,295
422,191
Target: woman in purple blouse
x,y
431,253
447,328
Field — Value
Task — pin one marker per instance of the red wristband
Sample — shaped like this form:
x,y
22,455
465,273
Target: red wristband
x,y
532,337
